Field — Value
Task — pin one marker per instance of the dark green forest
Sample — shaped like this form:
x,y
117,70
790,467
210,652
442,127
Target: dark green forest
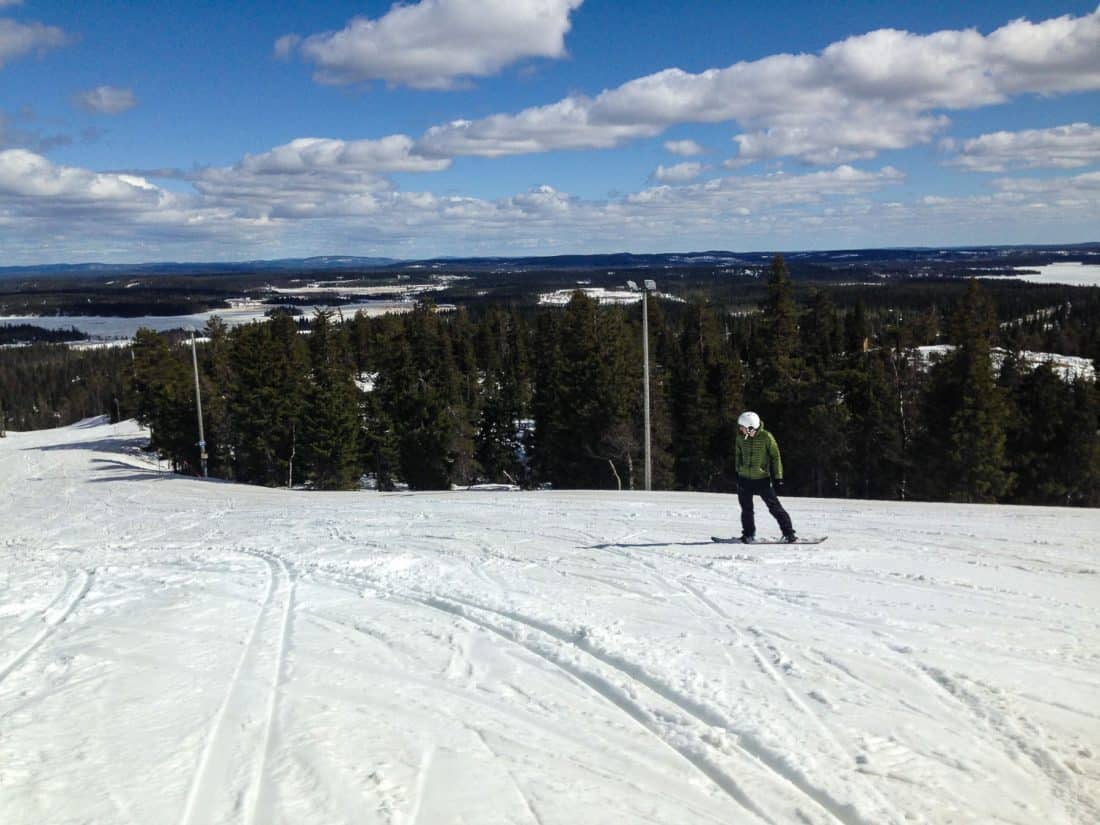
x,y
553,396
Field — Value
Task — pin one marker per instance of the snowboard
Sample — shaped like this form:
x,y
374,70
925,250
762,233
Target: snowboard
x,y
736,540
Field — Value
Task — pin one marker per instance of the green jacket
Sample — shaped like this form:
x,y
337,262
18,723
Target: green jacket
x,y
758,457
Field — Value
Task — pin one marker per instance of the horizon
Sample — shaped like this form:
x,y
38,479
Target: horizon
x,y
549,256
435,130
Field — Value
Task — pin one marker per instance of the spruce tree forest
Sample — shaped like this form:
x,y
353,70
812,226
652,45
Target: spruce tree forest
x,y
537,396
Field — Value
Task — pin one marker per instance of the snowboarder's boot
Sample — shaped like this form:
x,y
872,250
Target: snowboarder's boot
x,y
790,538
747,539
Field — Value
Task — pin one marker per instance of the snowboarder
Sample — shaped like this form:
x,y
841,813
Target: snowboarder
x,y
759,467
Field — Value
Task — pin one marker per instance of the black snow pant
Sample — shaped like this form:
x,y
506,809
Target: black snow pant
x,y
749,487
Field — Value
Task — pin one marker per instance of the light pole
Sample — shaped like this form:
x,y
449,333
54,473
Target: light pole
x,y
647,287
198,405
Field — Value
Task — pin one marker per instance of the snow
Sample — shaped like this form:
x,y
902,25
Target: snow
x,y
602,295
175,650
1070,273
114,327
1069,367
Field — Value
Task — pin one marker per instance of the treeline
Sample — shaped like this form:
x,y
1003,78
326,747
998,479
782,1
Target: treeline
x,y
554,396
50,385
13,334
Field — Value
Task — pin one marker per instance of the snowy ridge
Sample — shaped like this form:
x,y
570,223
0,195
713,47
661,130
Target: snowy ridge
x,y
174,650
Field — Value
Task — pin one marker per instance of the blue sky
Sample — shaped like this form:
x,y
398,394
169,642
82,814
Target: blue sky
x,y
207,131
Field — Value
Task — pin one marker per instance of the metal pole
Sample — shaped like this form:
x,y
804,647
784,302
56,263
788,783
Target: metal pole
x,y
198,405
645,373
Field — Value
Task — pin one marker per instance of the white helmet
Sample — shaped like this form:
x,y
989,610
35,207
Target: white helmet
x,y
749,420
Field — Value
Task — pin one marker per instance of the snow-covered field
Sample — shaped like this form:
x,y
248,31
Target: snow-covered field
x,y
181,651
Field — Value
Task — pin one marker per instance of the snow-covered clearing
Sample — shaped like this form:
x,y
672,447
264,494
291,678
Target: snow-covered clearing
x,y
181,651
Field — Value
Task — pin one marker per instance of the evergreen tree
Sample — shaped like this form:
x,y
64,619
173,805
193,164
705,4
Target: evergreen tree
x,y
419,389
875,436
502,405
1052,440
216,381
706,385
857,329
164,391
779,365
968,415
330,424
270,366
548,400
589,384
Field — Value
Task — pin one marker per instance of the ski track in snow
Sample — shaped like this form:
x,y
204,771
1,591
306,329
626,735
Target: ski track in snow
x,y
236,731
259,656
76,588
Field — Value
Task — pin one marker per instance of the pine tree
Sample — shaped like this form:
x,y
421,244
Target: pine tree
x,y
216,377
419,390
270,366
547,404
857,329
587,398
164,391
705,398
331,420
874,436
968,410
502,404
779,364
1052,439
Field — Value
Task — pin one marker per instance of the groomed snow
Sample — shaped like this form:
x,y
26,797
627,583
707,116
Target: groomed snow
x,y
181,651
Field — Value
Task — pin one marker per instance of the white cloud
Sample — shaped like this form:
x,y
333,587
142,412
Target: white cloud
x,y
8,3
684,148
285,46
1077,187
313,177
436,44
678,173
1060,147
19,39
566,124
106,100
28,175
886,89
389,154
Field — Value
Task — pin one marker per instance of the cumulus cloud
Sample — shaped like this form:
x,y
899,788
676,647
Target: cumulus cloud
x,y
886,89
1086,185
19,39
309,192
678,173
25,174
436,44
1061,147
106,100
684,148
314,177
314,194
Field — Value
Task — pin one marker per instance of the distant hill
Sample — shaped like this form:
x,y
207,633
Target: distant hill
x,y
1004,255
315,264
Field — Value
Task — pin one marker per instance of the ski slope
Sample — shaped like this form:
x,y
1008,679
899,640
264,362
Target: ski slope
x,y
180,651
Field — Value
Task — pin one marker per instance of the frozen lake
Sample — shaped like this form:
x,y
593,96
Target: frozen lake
x,y
109,327
1069,273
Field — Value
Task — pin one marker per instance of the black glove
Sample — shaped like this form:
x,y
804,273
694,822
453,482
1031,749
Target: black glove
x,y
778,484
